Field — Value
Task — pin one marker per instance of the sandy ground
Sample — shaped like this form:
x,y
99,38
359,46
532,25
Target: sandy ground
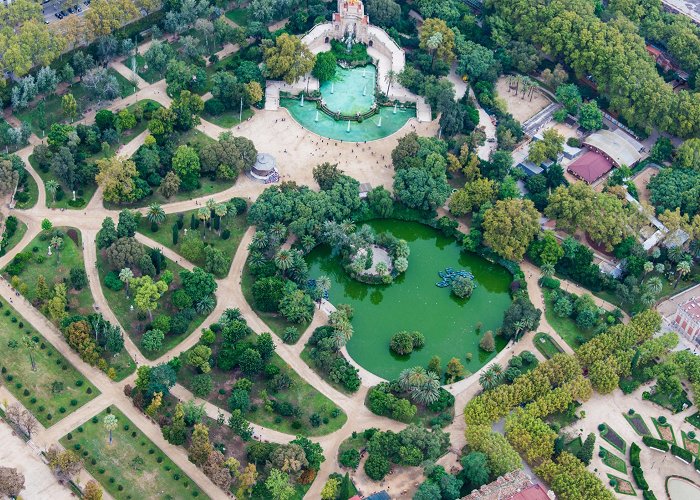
x,y
401,482
521,109
641,180
39,482
610,409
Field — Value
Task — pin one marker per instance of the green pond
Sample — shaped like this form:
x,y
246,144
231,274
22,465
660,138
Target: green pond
x,y
413,302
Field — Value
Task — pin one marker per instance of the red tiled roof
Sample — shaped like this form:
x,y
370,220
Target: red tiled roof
x,y
534,492
590,167
692,307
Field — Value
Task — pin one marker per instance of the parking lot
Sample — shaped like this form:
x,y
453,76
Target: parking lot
x,y
51,8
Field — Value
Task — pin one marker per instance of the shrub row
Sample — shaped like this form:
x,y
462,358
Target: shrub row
x,y
648,495
638,475
682,453
652,442
634,455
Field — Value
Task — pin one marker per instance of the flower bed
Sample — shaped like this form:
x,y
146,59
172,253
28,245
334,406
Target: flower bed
x,y
638,424
622,486
613,438
690,444
664,430
613,461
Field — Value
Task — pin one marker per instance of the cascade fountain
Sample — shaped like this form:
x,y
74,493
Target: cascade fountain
x,y
302,99
332,87
380,121
316,116
348,129
396,104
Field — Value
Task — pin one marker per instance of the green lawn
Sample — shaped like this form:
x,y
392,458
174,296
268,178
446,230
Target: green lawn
x,y
228,119
301,395
128,318
32,191
17,237
565,327
150,75
276,322
239,16
613,461
675,403
236,225
574,446
132,466
546,345
55,384
56,268
694,420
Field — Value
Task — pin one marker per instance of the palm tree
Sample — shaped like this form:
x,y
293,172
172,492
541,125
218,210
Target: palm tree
x,y
210,204
110,423
323,284
389,79
433,43
428,390
675,254
125,276
30,345
491,378
52,188
220,211
547,269
57,243
155,214
205,305
654,285
647,299
278,231
659,268
648,267
284,260
682,269
204,214
308,242
342,333
259,240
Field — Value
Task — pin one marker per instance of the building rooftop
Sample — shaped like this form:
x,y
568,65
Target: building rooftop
x,y
590,166
692,307
534,492
621,148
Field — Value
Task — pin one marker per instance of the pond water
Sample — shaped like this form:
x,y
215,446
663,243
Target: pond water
x,y
350,92
682,489
414,302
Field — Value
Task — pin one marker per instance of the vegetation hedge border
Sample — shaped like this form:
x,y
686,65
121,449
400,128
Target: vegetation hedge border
x,y
682,453
657,444
638,475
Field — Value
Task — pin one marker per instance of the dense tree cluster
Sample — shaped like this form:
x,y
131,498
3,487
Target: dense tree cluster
x,y
326,356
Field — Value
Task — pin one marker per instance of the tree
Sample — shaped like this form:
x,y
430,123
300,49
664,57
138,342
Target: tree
x,y
330,489
152,340
198,283
288,58
110,423
682,269
551,145
475,470
604,376
477,61
31,348
170,184
246,480
103,17
590,116
438,39
11,482
155,214
377,466
64,463
70,107
462,287
147,293
92,490
312,451
416,188
510,226
586,452
116,178
187,166
401,343
52,188
454,371
472,196
277,483
324,67
487,343
200,447
199,358
570,97
688,154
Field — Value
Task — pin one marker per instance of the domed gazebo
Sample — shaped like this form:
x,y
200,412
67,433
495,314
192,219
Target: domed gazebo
x,y
265,167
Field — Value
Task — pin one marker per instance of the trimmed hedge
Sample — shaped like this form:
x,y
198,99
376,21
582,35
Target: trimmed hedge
x,y
634,455
648,495
682,453
638,475
652,442
697,464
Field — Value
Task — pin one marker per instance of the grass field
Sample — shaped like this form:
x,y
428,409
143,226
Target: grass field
x,y
565,327
301,395
546,345
132,466
613,461
228,119
56,269
239,16
150,75
55,383
128,318
236,225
